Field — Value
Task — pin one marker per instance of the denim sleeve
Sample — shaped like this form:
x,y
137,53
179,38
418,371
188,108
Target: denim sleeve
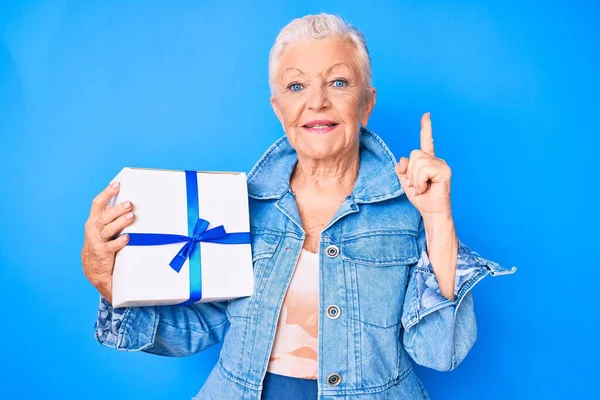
x,y
174,331
438,333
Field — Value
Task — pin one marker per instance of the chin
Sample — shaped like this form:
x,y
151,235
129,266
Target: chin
x,y
319,152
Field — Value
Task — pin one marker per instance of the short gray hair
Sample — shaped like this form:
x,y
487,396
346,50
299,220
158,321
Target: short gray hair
x,y
320,26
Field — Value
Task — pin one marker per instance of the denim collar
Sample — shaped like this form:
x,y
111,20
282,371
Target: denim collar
x,y
376,181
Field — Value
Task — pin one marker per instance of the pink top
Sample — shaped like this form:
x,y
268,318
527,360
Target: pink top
x,y
294,351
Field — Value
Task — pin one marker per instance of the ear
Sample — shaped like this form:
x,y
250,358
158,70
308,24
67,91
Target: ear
x,y
368,106
276,108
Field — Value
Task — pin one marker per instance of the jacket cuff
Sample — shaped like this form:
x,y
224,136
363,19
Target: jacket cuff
x,y
125,328
423,295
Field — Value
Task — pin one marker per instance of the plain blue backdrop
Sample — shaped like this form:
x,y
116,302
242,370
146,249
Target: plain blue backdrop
x,y
89,87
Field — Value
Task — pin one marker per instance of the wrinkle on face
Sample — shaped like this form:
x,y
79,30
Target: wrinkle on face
x,y
315,65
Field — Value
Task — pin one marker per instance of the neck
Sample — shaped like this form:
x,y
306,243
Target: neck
x,y
326,175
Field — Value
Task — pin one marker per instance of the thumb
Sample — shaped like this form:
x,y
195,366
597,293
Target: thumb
x,y
401,167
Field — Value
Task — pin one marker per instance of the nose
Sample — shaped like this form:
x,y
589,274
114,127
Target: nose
x,y
318,99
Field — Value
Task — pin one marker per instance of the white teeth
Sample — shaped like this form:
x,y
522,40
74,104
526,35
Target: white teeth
x,y
320,126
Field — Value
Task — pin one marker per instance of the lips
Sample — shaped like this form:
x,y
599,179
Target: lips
x,y
320,124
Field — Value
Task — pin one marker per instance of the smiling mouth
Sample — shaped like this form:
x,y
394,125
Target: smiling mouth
x,y
320,126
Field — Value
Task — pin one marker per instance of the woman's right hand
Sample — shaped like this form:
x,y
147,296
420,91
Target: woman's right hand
x,y
100,244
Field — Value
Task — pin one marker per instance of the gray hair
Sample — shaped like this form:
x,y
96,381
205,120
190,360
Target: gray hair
x,y
320,27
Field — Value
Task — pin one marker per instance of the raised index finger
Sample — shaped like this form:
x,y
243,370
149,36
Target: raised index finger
x,y
99,203
426,135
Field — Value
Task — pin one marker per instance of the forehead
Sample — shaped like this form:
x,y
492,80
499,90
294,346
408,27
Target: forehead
x,y
315,56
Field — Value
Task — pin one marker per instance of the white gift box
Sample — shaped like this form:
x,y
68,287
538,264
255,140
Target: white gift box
x,y
142,275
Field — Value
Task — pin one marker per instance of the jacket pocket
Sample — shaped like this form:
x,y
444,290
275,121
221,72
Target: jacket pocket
x,y
264,245
380,261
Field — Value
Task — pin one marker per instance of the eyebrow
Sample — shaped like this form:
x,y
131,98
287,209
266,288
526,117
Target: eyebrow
x,y
337,65
290,69
328,70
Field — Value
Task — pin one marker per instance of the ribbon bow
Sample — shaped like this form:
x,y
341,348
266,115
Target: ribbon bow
x,y
200,234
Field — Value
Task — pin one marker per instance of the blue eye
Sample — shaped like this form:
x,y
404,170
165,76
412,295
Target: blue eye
x,y
295,87
339,83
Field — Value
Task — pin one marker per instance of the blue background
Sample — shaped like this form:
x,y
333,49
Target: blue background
x,y
89,87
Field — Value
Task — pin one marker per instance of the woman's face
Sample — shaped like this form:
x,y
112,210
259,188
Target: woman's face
x,y
320,98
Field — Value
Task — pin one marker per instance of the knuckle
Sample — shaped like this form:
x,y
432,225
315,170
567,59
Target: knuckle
x,y
107,216
415,153
418,162
104,233
98,224
104,218
415,172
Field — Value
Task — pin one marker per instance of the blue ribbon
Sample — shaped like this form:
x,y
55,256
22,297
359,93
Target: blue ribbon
x,y
197,232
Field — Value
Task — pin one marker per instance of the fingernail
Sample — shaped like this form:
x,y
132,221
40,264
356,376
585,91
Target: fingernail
x,y
129,216
429,115
414,192
124,237
115,185
127,204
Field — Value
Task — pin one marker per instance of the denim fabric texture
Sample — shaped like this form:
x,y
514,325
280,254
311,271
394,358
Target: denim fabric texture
x,y
377,272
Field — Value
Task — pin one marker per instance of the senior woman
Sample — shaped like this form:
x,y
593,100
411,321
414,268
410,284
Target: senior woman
x,y
357,265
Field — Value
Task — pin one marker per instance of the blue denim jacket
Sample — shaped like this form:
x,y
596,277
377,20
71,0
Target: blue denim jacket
x,y
373,266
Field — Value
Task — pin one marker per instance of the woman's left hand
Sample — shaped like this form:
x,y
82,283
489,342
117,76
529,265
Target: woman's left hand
x,y
426,178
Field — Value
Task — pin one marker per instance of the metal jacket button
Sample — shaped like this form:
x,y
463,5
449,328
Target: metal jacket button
x,y
333,311
334,379
332,251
